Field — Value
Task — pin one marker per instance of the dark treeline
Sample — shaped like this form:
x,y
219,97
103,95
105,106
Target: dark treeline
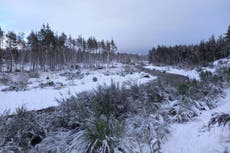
x,y
46,50
202,53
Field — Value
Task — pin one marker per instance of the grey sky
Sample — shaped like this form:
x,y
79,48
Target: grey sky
x,y
135,25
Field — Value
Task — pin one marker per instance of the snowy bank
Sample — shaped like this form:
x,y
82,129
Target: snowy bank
x,y
192,74
195,136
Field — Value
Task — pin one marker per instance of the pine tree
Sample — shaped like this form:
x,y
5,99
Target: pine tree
x,y
1,45
108,50
33,43
61,43
48,41
227,35
12,47
1,38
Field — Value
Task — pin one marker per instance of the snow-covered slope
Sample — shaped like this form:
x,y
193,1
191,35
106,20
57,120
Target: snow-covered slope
x,y
195,136
193,74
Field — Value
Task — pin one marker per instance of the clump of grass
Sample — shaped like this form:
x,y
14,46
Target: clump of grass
x,y
103,134
20,130
220,119
206,76
100,115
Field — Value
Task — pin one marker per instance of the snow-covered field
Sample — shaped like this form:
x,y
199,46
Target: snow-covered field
x,y
36,97
192,137
195,136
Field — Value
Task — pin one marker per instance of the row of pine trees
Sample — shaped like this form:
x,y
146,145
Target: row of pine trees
x,y
206,51
46,50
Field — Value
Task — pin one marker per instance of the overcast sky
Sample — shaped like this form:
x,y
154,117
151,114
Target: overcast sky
x,y
135,25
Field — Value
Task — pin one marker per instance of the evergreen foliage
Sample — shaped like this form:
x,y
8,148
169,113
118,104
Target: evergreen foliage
x,y
188,55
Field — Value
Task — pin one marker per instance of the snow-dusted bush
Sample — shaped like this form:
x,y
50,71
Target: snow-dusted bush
x,y
223,74
105,109
94,79
15,88
75,75
4,79
128,69
206,76
20,131
15,81
183,110
99,114
144,133
199,90
103,134
220,119
108,100
33,75
46,84
112,100
20,78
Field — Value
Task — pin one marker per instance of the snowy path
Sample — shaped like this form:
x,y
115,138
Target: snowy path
x,y
194,137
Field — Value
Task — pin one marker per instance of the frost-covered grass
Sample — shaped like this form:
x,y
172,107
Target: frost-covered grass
x,y
116,118
197,137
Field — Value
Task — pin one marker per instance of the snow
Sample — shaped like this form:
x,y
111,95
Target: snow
x,y
37,98
195,137
217,64
225,61
192,74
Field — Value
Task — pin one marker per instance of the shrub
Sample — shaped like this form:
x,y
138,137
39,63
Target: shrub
x,y
103,134
77,75
94,79
20,130
111,100
206,76
4,79
99,114
183,89
223,74
33,75
183,110
47,84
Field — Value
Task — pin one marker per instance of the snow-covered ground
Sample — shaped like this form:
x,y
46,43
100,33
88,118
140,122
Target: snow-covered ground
x,y
193,74
195,137
36,97
219,63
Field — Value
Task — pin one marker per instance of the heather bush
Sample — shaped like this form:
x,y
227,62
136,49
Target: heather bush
x,y
20,131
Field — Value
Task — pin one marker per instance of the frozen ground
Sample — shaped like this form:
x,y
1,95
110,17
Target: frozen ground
x,y
195,136
193,74
36,97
